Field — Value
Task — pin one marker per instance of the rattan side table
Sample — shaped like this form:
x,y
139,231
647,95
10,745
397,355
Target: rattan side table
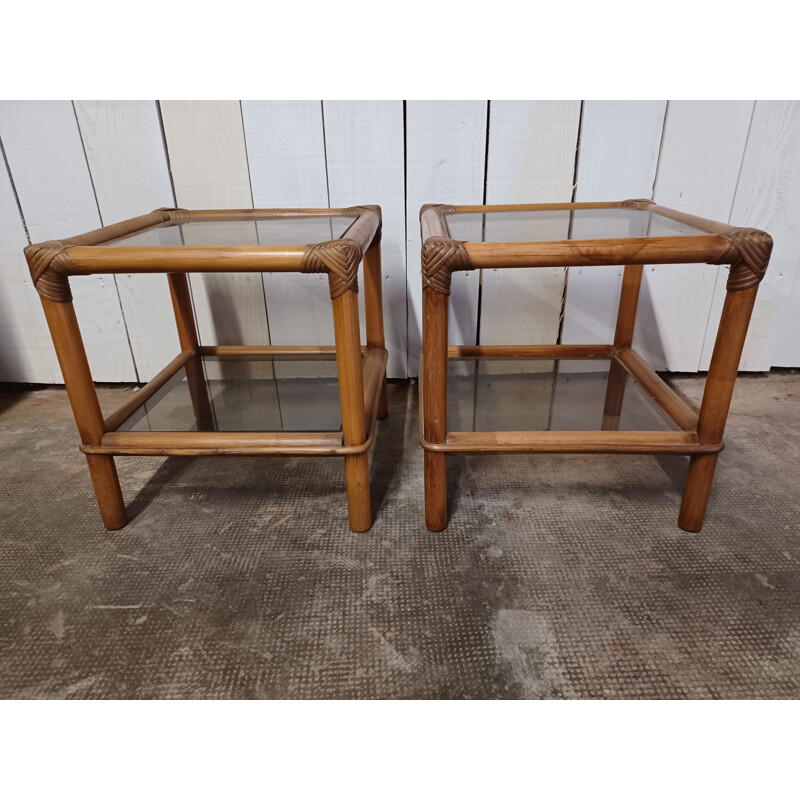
x,y
177,242
633,233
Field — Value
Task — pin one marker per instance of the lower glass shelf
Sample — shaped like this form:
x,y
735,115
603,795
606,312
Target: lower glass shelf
x,y
524,394
244,394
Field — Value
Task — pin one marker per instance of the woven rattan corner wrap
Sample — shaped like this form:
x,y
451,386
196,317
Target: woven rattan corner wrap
x,y
440,209
642,204
340,259
748,254
440,258
49,266
177,216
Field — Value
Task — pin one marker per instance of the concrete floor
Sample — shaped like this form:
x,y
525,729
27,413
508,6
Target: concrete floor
x,y
559,576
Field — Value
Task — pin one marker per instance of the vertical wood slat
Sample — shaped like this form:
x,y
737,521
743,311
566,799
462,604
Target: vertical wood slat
x,y
701,154
208,160
618,154
768,197
531,158
125,152
26,350
286,156
45,155
365,159
445,163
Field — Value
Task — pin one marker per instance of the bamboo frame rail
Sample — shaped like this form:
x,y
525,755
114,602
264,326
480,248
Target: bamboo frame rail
x,y
684,442
361,370
675,406
125,411
745,250
531,351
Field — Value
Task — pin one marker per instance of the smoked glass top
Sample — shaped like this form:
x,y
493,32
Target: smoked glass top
x,y
545,395
278,231
263,395
547,226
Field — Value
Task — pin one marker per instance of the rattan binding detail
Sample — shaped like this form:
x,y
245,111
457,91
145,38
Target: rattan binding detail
x,y
340,259
356,211
438,208
180,216
748,253
49,266
177,216
642,204
440,258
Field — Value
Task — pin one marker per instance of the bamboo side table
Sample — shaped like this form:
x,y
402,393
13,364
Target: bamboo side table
x,y
643,233
177,242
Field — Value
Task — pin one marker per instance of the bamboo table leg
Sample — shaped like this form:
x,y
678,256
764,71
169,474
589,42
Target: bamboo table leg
x,y
434,323
623,337
373,307
351,392
187,336
86,408
716,402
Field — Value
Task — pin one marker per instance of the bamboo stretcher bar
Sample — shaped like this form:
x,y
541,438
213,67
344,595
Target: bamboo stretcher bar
x,y
299,353
690,220
155,219
673,405
182,258
532,351
530,207
257,214
160,443
673,442
124,412
595,252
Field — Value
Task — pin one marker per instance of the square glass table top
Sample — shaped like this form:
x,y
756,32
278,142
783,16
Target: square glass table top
x,y
274,231
564,224
518,394
257,394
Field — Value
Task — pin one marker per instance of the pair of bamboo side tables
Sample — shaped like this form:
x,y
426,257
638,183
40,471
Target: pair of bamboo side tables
x,y
454,238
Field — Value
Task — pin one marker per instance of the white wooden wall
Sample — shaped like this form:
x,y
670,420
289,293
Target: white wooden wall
x,y
69,167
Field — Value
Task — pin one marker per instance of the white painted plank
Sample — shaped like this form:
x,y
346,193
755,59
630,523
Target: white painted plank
x,y
206,148
365,158
701,155
618,155
26,350
125,151
48,166
286,153
768,197
445,163
531,159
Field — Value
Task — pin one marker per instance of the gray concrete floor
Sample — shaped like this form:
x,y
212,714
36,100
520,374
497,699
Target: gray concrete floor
x,y
559,576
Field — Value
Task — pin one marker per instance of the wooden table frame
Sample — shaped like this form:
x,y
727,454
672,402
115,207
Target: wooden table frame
x,y
746,250
361,371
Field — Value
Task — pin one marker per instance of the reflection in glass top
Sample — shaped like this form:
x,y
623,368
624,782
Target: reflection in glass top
x,y
547,226
539,395
265,232
255,395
